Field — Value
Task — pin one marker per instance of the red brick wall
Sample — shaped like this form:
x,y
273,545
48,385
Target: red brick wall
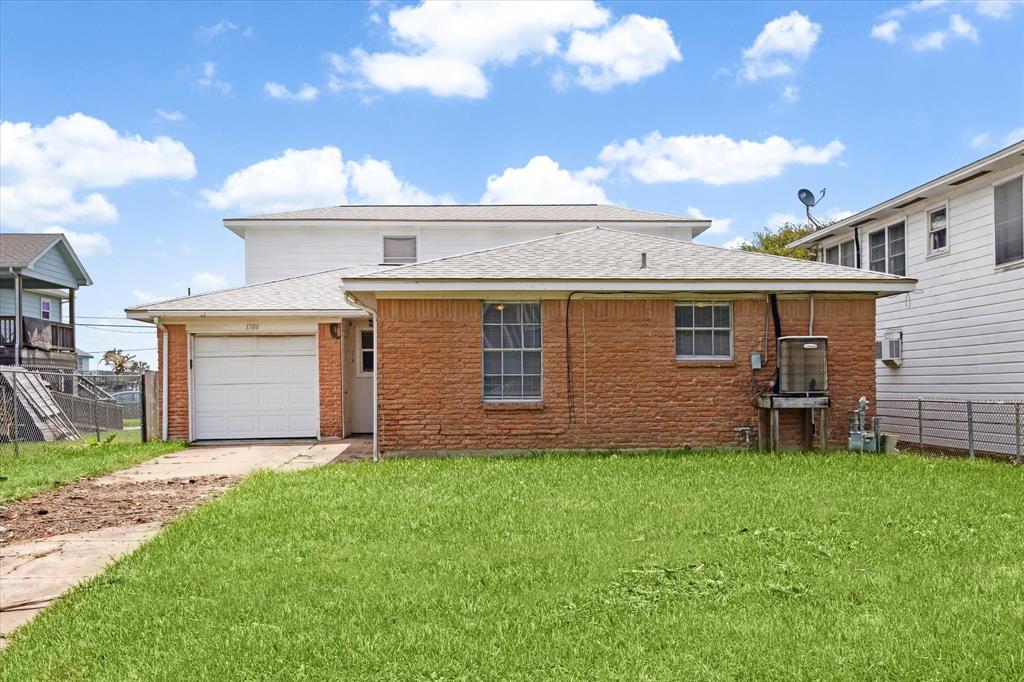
x,y
177,379
628,388
332,422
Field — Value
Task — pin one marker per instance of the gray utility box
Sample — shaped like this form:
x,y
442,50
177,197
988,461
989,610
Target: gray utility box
x,y
803,365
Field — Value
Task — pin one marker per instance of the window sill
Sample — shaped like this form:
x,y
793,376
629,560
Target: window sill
x,y
937,254
688,363
513,406
1012,265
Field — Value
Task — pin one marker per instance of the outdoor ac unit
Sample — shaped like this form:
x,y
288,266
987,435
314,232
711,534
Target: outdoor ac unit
x,y
890,349
803,365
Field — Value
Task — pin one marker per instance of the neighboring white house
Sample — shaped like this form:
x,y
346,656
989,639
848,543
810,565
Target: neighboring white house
x,y
960,333
300,242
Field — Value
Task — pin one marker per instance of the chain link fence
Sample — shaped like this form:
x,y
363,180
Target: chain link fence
x,y
991,428
48,405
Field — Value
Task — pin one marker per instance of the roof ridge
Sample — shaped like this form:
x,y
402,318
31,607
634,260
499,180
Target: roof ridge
x,y
143,306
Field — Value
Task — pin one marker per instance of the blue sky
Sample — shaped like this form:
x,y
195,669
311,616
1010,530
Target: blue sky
x,y
137,127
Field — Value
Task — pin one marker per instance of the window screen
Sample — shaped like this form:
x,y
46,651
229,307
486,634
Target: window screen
x,y
847,254
399,249
897,249
512,351
1009,210
937,231
704,331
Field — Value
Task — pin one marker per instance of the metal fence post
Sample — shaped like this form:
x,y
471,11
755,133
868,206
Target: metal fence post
x,y
13,376
920,426
970,428
1016,421
96,419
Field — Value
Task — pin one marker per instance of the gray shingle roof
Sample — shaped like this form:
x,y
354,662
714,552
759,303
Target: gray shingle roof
x,y
605,254
588,213
18,250
319,291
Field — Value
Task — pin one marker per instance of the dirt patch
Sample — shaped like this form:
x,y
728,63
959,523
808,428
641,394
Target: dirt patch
x,y
89,505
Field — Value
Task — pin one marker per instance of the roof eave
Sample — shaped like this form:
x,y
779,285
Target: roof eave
x,y
150,314
239,225
870,214
884,287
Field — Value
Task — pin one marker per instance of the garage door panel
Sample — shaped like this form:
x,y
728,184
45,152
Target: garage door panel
x,y
255,387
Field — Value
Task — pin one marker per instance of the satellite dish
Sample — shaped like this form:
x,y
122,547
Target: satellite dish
x,y
806,197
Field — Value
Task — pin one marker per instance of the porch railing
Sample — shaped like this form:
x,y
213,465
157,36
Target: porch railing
x,y
61,335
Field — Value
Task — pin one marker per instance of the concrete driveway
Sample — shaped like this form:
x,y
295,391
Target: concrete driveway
x,y
35,573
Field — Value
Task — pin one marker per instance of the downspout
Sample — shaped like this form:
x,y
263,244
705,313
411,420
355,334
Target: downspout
x,y
856,245
373,321
163,378
810,322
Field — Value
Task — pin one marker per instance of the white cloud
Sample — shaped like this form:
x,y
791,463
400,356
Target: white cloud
x,y
210,81
143,296
85,244
996,9
170,116
211,32
543,181
307,93
312,177
886,31
790,94
207,281
719,226
444,47
634,48
777,219
962,28
986,139
713,159
782,43
735,243
837,214
981,140
44,169
933,40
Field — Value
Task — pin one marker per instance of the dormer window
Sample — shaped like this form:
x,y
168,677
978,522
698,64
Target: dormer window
x,y
399,250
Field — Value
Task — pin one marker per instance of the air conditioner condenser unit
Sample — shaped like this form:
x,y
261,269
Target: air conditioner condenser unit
x,y
803,365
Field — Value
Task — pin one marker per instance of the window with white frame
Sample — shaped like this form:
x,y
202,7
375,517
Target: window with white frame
x,y
512,351
1009,222
841,254
399,249
847,254
887,250
44,309
704,331
938,231
365,352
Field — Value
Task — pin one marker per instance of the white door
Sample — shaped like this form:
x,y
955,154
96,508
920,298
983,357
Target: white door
x,y
360,369
254,387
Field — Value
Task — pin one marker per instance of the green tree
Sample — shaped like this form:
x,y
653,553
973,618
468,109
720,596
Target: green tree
x,y
122,362
775,240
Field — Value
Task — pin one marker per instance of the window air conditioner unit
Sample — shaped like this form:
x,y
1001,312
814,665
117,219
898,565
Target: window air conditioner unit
x,y
803,365
890,349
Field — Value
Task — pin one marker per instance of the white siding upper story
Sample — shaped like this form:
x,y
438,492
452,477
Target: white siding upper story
x,y
276,251
963,326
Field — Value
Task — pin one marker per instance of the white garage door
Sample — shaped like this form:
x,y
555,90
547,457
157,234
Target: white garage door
x,y
254,387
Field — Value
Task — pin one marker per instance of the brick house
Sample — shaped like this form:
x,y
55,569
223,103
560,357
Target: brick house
x,y
580,338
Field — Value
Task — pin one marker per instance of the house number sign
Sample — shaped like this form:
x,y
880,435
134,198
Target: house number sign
x,y
252,326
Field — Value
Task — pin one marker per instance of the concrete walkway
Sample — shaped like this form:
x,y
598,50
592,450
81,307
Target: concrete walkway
x,y
34,573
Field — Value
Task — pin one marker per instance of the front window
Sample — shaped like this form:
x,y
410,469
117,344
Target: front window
x,y
399,250
937,231
704,331
1009,219
512,351
887,250
44,309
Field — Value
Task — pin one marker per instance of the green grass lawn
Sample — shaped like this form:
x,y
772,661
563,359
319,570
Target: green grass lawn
x,y
40,466
695,566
